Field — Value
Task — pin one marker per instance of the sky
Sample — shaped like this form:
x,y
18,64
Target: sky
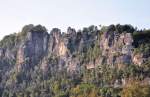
x,y
14,14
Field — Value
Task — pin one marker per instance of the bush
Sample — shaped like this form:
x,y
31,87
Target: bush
x,y
8,41
39,28
135,89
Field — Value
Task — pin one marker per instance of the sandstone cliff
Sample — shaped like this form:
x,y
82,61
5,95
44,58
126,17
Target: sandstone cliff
x,y
35,51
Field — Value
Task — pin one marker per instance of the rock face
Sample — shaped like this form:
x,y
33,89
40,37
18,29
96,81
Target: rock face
x,y
1,52
56,51
32,49
117,48
138,59
35,58
36,45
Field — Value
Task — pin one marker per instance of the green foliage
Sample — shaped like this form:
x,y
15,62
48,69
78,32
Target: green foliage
x,y
39,28
142,42
8,41
118,28
93,53
103,29
141,35
125,28
135,89
85,90
110,92
95,82
27,28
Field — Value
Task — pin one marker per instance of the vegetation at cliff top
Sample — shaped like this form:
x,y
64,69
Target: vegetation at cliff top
x,y
102,81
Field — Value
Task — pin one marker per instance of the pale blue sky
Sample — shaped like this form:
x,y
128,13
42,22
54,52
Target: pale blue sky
x,y
14,14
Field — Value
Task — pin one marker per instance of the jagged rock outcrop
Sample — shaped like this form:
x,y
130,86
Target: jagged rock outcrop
x,y
117,48
33,48
35,57
59,51
138,59
37,45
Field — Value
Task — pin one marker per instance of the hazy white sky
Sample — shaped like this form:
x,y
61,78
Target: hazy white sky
x,y
14,14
